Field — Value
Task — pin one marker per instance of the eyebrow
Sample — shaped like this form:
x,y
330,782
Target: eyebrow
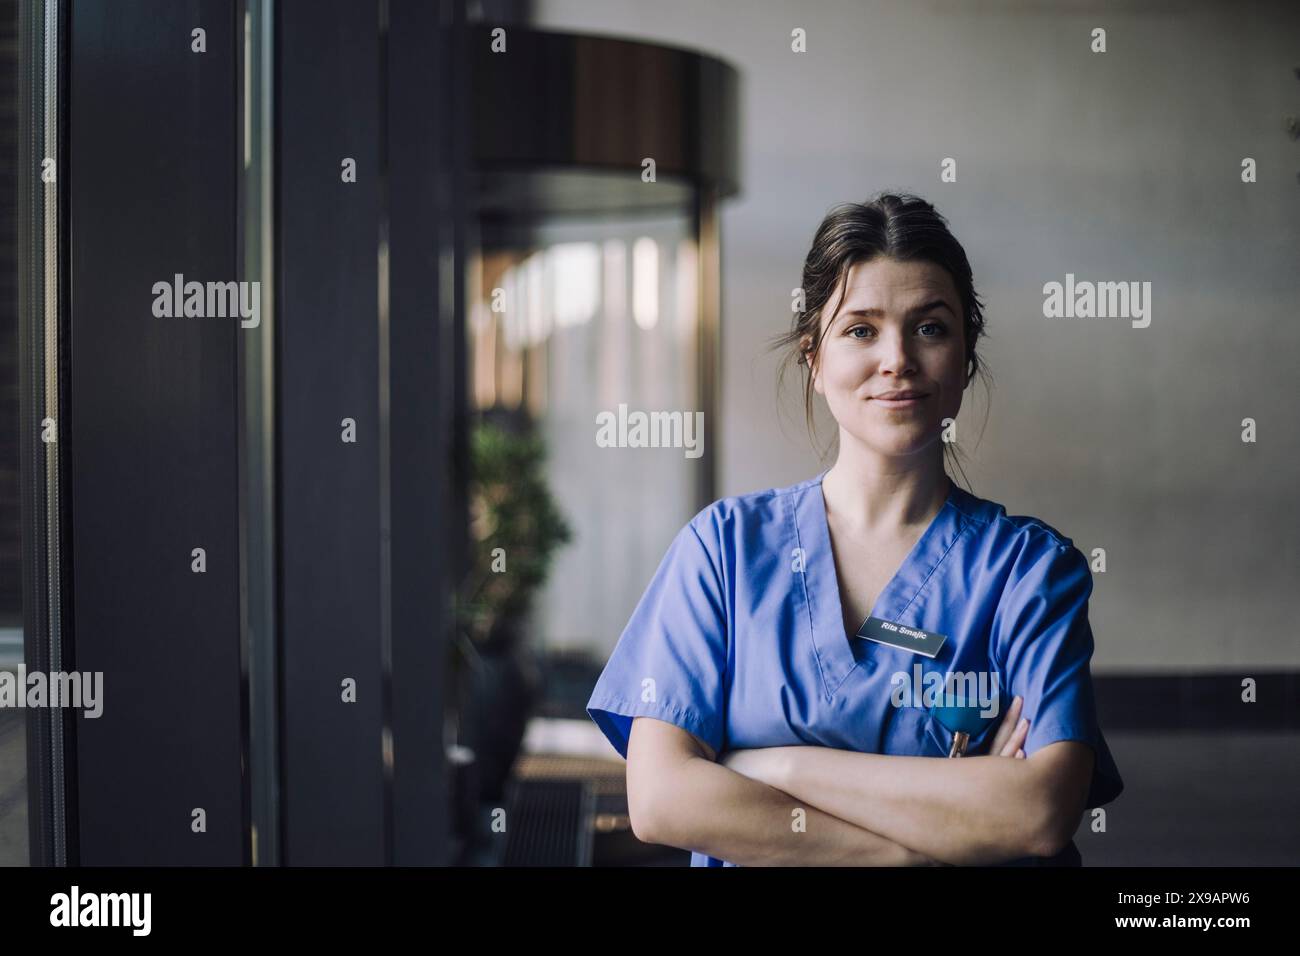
x,y
880,313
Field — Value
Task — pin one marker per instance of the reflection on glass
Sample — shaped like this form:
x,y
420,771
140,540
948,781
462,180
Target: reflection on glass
x,y
257,458
13,722
589,317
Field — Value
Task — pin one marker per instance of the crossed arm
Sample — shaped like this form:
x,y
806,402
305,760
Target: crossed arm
x,y
678,796
821,806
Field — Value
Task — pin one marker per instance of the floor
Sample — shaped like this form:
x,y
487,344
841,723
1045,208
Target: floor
x,y
1189,800
1201,800
13,788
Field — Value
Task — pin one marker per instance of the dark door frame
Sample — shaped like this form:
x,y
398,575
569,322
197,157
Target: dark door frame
x,y
368,534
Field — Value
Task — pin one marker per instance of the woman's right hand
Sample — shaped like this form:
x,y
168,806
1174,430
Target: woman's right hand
x,y
1010,737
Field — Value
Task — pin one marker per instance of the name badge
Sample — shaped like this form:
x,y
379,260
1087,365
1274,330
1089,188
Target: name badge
x,y
913,639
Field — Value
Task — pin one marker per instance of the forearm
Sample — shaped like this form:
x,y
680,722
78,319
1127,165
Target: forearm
x,y
974,810
710,809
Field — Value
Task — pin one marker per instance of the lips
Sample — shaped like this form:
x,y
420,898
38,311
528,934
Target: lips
x,y
900,399
901,394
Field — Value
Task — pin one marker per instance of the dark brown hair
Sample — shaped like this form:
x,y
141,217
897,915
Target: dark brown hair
x,y
895,226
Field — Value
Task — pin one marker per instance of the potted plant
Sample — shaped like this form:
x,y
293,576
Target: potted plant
x,y
515,528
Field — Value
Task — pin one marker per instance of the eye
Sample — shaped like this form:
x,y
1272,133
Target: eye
x,y
939,330
859,328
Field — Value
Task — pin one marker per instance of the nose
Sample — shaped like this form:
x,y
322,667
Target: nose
x,y
895,355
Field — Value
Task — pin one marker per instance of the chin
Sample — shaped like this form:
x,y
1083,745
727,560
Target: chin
x,y
899,445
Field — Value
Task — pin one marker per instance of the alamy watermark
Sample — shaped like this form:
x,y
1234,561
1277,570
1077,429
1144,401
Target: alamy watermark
x,y
651,430
74,689
75,908
1101,300
178,298
954,689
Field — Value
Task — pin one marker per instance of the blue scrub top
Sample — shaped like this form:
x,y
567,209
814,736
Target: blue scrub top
x,y
739,637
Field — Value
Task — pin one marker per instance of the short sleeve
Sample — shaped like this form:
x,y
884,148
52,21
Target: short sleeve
x,y
670,662
1044,644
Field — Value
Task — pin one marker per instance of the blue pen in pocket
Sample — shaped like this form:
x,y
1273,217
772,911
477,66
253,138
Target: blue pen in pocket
x,y
964,722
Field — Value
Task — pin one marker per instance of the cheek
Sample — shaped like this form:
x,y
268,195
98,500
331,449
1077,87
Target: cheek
x,y
949,370
841,371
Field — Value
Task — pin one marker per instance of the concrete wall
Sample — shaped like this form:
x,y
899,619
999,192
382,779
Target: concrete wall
x,y
1123,165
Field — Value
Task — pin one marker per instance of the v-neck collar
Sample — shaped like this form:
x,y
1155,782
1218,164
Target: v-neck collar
x,y
896,602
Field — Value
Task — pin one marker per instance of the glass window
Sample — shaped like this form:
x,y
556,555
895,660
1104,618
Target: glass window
x,y
13,722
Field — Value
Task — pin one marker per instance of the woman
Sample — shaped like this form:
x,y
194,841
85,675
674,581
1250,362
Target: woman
x,y
767,692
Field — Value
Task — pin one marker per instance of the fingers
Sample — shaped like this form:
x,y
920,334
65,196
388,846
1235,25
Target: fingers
x,y
1007,727
1004,727
1017,738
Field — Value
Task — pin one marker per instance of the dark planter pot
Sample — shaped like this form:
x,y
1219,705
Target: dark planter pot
x,y
500,687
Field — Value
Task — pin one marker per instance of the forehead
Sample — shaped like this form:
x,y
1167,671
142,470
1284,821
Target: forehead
x,y
892,286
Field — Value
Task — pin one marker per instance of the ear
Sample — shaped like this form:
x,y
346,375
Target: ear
x,y
804,345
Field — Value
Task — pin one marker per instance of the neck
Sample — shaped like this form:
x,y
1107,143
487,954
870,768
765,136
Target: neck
x,y
878,494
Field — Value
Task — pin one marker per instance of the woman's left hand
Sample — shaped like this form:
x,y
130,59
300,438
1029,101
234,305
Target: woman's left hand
x,y
1009,740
